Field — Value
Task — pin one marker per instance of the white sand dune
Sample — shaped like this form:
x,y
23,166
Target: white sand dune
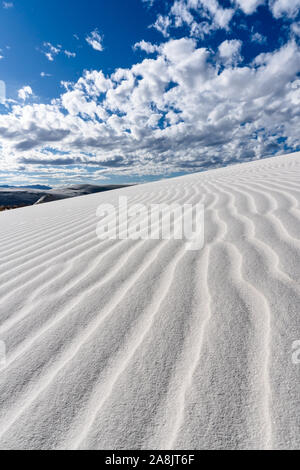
x,y
145,345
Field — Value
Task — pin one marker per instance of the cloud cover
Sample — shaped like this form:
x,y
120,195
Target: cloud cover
x,y
204,16
182,108
179,111
94,39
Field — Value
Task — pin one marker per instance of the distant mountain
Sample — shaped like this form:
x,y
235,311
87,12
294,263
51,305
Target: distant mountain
x,y
19,196
38,186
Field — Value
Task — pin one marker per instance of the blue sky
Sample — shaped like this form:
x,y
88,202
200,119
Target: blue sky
x,y
117,91
26,26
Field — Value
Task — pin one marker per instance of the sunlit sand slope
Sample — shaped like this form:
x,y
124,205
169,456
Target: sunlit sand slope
x,y
142,344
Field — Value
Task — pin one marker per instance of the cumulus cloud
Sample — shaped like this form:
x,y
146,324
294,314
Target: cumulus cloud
x,y
162,24
202,17
288,8
186,13
94,39
146,47
221,16
25,92
249,6
177,111
279,8
295,28
230,51
259,38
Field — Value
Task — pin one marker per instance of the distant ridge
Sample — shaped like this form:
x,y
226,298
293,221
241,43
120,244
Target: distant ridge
x,y
12,197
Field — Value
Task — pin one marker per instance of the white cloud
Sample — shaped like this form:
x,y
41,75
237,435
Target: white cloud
x,y
25,92
147,47
295,28
162,24
70,54
177,111
186,13
288,8
44,74
94,39
51,51
181,13
221,16
7,5
259,38
230,51
249,6
49,56
202,17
